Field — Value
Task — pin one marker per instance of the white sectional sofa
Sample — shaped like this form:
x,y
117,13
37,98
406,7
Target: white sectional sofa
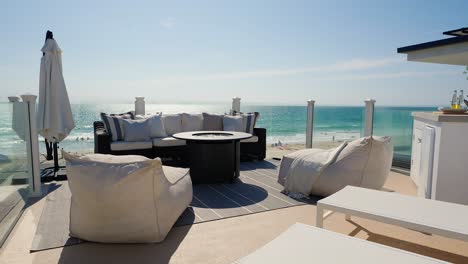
x,y
163,144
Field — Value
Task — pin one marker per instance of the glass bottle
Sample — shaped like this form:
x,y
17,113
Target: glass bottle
x,y
460,99
455,104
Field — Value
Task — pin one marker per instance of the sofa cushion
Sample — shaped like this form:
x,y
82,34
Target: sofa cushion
x,y
192,122
168,142
253,139
124,145
137,130
157,128
172,124
212,122
248,122
233,123
114,126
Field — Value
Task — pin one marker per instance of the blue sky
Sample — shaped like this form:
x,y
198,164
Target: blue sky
x,y
268,52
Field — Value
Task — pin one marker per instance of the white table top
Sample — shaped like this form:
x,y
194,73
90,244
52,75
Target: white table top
x,y
442,217
307,244
440,117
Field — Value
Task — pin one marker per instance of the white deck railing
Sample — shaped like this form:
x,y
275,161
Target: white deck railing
x,y
24,124
236,108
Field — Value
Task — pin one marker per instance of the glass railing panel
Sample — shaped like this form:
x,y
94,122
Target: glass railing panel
x,y
397,123
285,127
333,125
14,165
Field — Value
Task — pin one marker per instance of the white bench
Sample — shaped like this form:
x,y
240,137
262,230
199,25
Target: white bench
x,y
307,244
430,216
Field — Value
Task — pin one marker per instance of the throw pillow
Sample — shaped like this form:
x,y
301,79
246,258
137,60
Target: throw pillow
x,y
248,122
212,122
172,124
157,126
192,122
137,130
233,123
114,126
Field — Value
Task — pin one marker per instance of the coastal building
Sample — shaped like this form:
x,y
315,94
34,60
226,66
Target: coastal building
x,y
440,142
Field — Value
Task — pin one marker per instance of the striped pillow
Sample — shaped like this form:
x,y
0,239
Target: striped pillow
x,y
248,121
114,124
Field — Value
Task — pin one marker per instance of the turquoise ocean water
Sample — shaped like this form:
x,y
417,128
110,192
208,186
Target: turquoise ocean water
x,y
284,123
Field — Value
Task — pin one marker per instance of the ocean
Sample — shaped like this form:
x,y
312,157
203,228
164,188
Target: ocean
x,y
285,124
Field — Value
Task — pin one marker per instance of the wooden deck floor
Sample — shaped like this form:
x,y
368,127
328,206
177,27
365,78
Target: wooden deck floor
x,y
226,240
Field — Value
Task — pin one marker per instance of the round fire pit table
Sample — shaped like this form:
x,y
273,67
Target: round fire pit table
x,y
214,156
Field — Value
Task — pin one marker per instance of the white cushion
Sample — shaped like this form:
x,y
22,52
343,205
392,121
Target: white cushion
x,y
379,164
168,142
233,123
212,122
157,126
124,199
114,125
136,130
172,124
364,162
192,122
252,139
248,122
125,145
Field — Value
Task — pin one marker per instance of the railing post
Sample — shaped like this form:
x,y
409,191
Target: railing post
x,y
235,105
310,123
32,145
140,105
369,117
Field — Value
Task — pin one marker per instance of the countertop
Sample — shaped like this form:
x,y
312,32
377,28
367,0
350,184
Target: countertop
x,y
440,117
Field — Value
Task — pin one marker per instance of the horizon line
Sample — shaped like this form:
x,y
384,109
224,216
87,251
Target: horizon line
x,y
252,104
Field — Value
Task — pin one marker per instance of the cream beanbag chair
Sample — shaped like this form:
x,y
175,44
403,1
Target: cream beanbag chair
x,y
125,199
364,162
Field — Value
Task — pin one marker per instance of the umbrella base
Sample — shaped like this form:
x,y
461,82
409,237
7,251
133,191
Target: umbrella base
x,y
55,173
52,174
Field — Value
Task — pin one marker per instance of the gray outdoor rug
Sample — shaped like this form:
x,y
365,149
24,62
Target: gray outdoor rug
x,y
255,191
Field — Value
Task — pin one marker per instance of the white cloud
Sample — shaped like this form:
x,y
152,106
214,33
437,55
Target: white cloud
x,y
347,70
168,22
363,64
340,67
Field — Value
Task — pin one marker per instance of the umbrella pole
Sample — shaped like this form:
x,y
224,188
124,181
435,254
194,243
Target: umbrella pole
x,y
56,165
49,150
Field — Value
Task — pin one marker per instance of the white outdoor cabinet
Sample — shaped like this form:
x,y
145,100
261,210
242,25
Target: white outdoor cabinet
x,y
439,157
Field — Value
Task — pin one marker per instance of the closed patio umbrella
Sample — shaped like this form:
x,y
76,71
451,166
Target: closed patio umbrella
x,y
55,120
